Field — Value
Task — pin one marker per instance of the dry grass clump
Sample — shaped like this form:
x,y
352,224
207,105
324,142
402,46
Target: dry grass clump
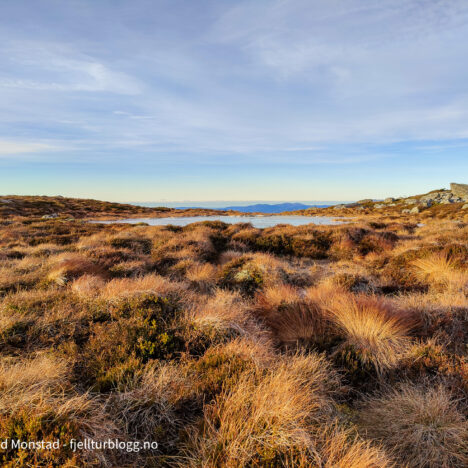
x,y
88,285
293,317
225,310
46,250
202,276
38,404
196,244
264,419
68,266
146,408
421,425
374,335
229,256
342,448
28,382
440,271
148,284
441,313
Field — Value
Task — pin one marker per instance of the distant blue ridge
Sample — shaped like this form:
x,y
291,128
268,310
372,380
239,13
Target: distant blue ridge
x,y
265,208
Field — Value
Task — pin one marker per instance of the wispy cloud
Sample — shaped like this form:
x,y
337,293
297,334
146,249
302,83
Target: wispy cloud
x,y
10,148
253,81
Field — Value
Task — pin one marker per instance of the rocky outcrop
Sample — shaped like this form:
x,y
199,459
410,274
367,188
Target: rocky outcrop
x,y
459,190
444,197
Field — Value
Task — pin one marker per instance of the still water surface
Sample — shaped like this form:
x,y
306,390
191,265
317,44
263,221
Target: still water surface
x,y
256,221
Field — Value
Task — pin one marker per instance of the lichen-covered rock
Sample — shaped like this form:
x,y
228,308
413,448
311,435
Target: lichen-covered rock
x,y
459,190
414,210
425,203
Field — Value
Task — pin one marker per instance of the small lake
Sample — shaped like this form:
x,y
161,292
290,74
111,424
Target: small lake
x,y
256,221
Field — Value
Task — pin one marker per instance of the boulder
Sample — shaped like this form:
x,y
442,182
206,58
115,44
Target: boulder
x,y
465,206
459,190
51,216
389,200
410,201
414,210
405,211
366,200
425,203
379,206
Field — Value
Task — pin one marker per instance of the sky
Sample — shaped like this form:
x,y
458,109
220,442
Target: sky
x,y
279,100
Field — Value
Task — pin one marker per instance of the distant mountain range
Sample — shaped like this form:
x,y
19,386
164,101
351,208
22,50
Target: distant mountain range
x,y
267,208
272,209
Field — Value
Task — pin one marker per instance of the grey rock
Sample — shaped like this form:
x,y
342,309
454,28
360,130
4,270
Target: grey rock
x,y
365,200
379,206
338,207
414,210
5,200
427,198
351,205
410,201
459,190
405,211
425,203
389,200
465,206
51,216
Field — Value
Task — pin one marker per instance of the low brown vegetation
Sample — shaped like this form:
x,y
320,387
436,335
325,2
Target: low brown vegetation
x,y
313,346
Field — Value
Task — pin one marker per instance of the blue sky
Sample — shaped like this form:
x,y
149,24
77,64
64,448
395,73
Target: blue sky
x,y
148,100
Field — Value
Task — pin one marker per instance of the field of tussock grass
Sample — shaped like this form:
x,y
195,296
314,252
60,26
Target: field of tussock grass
x,y
316,346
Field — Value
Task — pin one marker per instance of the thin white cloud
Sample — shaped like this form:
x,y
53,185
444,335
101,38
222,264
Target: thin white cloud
x,y
8,148
59,68
288,77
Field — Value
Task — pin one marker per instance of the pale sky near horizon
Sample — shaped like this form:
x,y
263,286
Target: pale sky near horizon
x,y
233,100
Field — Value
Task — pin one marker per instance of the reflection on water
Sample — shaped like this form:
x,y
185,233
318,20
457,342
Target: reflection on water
x,y
256,221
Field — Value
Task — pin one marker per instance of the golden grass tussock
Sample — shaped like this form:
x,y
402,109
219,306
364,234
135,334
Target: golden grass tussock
x,y
293,318
343,448
263,417
148,284
145,408
28,382
441,271
421,425
229,256
88,285
67,266
226,312
203,276
374,335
